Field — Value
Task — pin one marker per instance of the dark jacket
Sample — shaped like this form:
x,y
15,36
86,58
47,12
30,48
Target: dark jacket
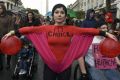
x,y
89,22
35,22
6,24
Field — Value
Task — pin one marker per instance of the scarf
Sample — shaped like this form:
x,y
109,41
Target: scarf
x,y
78,48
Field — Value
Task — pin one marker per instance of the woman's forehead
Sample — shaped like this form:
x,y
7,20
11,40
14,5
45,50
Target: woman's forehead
x,y
59,9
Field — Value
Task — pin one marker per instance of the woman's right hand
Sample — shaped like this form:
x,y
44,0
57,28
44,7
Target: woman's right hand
x,y
8,34
109,35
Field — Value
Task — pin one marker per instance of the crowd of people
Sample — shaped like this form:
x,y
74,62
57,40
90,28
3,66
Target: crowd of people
x,y
61,40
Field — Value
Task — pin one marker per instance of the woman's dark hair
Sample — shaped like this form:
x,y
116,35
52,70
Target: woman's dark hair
x,y
59,6
4,9
88,13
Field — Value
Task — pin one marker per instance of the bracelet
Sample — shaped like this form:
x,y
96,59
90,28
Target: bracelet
x,y
12,32
106,33
102,33
84,75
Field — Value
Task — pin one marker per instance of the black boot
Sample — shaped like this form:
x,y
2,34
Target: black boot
x,y
1,68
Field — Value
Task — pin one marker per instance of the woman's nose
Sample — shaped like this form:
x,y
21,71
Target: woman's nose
x,y
59,14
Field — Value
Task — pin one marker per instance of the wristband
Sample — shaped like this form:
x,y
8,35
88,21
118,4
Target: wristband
x,y
84,75
17,33
102,33
107,33
12,32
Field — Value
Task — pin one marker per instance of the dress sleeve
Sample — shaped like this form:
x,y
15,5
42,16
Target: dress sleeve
x,y
31,29
91,31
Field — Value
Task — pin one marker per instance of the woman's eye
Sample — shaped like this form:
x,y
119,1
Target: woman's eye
x,y
56,12
62,12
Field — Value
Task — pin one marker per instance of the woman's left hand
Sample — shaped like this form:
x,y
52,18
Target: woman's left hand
x,y
8,34
109,35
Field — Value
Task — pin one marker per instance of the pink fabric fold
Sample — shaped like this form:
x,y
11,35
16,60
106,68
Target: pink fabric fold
x,y
78,48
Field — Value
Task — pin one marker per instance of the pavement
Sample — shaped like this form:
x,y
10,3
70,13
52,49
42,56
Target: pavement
x,y
7,74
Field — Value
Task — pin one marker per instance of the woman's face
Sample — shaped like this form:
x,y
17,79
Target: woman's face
x,y
1,10
59,16
30,16
106,17
92,14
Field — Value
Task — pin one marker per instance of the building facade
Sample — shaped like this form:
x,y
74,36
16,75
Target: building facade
x,y
84,5
12,5
118,9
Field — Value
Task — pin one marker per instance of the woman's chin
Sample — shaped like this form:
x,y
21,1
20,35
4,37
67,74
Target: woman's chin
x,y
59,21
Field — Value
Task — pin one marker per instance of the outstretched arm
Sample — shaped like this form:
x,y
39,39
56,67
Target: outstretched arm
x,y
93,31
26,30
90,31
33,29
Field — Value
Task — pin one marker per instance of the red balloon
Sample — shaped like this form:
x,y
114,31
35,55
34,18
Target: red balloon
x,y
109,48
11,45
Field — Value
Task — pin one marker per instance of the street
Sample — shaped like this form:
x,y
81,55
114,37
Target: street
x,y
7,74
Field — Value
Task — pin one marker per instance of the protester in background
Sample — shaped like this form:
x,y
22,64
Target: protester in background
x,y
102,14
85,75
6,25
97,68
31,20
109,21
98,20
89,22
17,20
